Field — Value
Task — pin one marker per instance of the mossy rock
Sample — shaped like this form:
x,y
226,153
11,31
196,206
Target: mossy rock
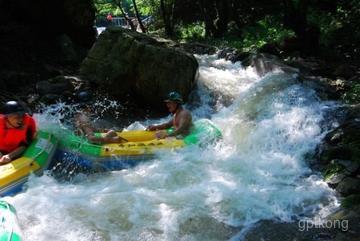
x,y
123,62
352,167
332,170
349,186
353,95
335,152
351,201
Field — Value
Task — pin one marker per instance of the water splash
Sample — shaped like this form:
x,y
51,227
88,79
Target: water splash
x,y
258,171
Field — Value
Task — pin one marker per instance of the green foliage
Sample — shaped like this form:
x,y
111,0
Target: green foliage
x,y
327,25
339,28
253,37
353,95
261,22
145,7
195,31
267,30
332,170
148,7
104,7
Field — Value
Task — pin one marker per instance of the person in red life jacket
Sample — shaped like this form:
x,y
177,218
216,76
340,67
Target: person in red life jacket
x,y
109,18
17,130
181,121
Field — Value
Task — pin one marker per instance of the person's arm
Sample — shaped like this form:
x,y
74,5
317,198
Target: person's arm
x,y
109,137
12,155
17,152
32,130
163,126
184,124
30,133
96,139
185,120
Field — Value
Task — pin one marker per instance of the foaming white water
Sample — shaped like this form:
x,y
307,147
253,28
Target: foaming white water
x,y
258,171
100,30
57,117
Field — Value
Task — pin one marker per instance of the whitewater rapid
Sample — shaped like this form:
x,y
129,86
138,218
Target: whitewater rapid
x,y
271,125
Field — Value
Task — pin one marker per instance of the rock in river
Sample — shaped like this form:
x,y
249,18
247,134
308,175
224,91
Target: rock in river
x,y
123,62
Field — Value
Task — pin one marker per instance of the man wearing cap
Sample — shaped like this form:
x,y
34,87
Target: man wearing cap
x,y
181,121
17,130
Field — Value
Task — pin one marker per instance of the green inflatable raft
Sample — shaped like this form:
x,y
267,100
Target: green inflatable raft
x,y
9,228
141,145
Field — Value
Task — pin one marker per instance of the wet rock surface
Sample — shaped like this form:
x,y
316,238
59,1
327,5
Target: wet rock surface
x,y
198,48
128,64
232,55
340,154
338,227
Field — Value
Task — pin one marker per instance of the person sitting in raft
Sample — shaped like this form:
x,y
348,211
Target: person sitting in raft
x,y
181,121
86,128
17,130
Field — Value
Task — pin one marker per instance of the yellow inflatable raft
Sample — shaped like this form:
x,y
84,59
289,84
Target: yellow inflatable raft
x,y
141,145
36,158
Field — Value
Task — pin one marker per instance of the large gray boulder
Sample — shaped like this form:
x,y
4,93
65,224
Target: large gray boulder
x,y
123,62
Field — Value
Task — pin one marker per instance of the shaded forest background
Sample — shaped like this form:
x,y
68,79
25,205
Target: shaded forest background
x,y
44,39
326,27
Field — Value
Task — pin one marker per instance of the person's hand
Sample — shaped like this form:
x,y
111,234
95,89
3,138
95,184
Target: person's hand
x,y
111,133
161,134
151,128
5,159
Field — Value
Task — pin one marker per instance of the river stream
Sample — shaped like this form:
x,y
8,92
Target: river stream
x,y
259,170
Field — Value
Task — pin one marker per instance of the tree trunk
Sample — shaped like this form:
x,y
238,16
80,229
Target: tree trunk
x,y
207,16
221,22
215,14
126,16
142,27
235,15
295,18
169,29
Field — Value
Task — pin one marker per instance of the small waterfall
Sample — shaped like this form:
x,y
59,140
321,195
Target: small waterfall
x,y
258,171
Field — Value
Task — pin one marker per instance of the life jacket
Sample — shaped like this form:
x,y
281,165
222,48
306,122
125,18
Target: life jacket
x,y
12,138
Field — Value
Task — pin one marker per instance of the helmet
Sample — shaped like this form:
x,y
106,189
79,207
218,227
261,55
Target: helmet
x,y
175,97
13,107
84,96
